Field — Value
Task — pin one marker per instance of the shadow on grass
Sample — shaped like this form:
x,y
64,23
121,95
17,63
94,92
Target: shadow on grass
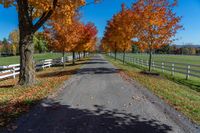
x,y
7,86
57,118
189,83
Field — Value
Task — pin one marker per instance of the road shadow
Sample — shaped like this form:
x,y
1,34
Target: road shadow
x,y
98,70
96,62
58,73
57,118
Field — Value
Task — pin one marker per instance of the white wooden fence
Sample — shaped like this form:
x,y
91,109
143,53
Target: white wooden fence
x,y
13,70
171,67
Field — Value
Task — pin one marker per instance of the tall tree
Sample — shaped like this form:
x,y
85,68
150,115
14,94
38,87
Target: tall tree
x,y
158,24
120,31
32,14
64,37
88,39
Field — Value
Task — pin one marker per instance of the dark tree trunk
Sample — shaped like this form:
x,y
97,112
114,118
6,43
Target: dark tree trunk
x,y
84,54
79,55
150,59
73,58
124,57
115,54
63,58
26,46
27,65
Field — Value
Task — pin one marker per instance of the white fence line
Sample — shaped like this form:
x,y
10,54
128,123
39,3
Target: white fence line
x,y
186,69
13,70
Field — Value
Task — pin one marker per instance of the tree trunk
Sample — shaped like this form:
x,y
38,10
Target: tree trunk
x,y
27,65
63,58
27,27
84,54
150,59
73,58
115,54
79,55
26,46
124,57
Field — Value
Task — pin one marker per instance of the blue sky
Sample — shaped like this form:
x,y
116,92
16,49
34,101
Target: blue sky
x,y
101,13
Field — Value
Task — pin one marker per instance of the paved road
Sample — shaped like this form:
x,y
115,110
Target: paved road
x,y
97,100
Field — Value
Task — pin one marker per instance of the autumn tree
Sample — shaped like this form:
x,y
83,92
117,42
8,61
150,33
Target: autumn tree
x,y
88,39
158,24
64,37
120,31
32,14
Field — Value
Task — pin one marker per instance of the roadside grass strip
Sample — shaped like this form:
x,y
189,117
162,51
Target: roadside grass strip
x,y
181,97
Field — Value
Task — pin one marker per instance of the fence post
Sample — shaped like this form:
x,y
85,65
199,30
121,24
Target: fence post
x,y
163,67
62,60
138,61
172,69
188,72
142,62
153,65
51,62
147,63
13,71
43,65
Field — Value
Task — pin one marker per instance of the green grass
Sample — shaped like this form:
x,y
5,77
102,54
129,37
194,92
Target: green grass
x,y
15,59
192,82
181,97
193,60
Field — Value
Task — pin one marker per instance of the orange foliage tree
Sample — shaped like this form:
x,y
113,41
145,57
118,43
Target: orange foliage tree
x,y
88,39
32,15
149,24
64,37
158,24
119,33
74,37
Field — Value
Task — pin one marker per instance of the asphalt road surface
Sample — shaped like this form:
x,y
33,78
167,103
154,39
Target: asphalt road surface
x,y
97,100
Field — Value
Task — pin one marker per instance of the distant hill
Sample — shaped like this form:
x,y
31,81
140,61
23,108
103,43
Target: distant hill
x,y
188,46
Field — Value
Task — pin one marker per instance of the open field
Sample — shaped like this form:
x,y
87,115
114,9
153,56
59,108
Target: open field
x,y
15,59
163,65
181,97
193,60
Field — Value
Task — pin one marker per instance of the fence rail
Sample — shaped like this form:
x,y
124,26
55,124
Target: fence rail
x,y
14,69
188,70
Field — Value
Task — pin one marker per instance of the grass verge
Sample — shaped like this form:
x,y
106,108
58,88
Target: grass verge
x,y
15,100
181,97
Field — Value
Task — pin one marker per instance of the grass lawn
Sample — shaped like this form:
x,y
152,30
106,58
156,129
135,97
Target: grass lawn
x,y
15,100
193,60
181,97
15,59
192,82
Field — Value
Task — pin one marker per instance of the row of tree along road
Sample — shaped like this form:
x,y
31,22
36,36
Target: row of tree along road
x,y
56,16
148,24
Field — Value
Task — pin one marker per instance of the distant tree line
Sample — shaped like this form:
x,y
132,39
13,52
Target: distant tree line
x,y
10,46
187,49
